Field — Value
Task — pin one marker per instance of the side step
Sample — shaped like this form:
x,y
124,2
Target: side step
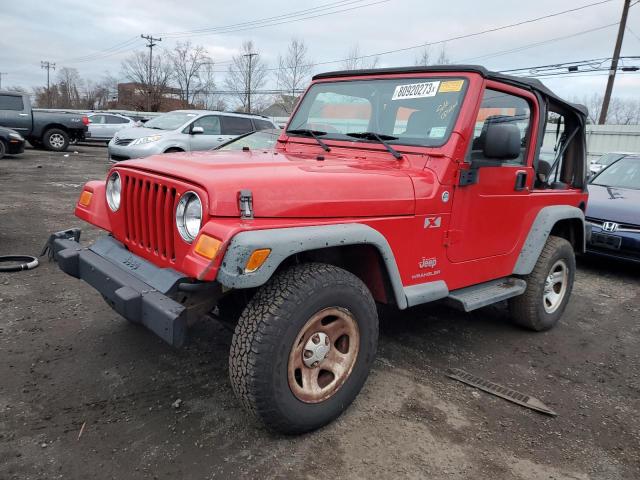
x,y
478,296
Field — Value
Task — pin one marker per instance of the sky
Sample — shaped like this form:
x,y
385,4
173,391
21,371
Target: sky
x,y
95,37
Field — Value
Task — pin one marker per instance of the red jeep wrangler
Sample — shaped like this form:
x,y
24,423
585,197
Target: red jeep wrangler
x,y
393,186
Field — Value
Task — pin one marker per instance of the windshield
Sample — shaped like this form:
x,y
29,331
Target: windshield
x,y
609,158
264,139
625,173
170,121
416,111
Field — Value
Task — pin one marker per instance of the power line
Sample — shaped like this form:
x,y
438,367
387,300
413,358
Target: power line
x,y
251,23
450,39
537,44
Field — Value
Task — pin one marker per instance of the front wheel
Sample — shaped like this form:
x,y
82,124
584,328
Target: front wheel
x,y
549,287
303,347
3,148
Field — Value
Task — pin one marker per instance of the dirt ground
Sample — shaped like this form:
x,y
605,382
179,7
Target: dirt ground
x,y
68,361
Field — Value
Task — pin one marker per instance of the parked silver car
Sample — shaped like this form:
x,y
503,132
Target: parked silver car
x,y
607,159
183,131
103,126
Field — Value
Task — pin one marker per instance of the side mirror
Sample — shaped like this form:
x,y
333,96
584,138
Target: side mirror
x,y
197,130
502,141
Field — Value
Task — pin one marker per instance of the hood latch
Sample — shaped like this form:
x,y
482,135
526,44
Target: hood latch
x,y
245,203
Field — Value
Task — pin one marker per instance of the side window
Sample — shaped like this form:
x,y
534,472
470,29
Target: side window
x,y
236,125
112,119
210,124
500,107
262,124
97,119
11,102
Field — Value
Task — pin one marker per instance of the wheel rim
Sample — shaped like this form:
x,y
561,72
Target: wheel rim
x,y
555,286
323,355
56,140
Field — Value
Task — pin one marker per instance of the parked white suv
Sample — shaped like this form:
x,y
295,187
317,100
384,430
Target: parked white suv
x,y
183,131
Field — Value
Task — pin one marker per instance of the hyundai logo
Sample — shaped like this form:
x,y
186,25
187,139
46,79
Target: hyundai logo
x,y
610,227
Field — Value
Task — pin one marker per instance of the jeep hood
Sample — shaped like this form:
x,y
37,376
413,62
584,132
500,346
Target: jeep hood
x,y
290,185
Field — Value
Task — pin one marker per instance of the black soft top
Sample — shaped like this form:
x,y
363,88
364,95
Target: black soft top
x,y
532,84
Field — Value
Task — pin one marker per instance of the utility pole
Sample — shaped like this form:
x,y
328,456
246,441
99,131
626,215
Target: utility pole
x,y
249,71
48,66
614,64
2,73
150,45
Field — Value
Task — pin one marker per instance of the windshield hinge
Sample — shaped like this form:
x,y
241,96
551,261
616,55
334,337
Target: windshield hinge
x,y
468,177
245,203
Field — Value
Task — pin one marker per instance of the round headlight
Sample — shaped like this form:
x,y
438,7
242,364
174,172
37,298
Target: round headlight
x,y
114,187
189,216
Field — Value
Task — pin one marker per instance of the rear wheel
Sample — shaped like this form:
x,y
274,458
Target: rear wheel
x,y
549,287
3,148
303,347
56,140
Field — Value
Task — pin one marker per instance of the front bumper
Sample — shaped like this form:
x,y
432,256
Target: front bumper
x,y
127,152
619,245
135,288
15,147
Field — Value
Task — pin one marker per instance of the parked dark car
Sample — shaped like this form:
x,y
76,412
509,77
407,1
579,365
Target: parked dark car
x,y
11,142
260,140
44,129
613,214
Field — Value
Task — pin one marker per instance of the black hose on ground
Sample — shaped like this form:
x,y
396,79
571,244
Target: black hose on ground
x,y
17,263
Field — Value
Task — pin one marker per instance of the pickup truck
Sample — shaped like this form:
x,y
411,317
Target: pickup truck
x,y
390,187
50,130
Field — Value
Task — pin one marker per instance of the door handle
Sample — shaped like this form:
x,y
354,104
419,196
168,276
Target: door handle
x,y
521,181
23,114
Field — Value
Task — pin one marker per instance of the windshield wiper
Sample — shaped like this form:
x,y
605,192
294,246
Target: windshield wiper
x,y
380,137
312,133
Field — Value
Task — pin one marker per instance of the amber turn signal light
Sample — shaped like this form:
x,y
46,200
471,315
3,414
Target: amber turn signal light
x,y
256,260
85,198
207,246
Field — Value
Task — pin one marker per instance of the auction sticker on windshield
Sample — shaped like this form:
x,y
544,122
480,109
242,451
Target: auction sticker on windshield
x,y
416,90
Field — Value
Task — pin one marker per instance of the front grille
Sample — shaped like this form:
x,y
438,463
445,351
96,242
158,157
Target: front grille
x,y
148,212
123,141
621,227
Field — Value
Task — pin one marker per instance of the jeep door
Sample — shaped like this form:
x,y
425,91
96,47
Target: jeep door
x,y
488,210
15,114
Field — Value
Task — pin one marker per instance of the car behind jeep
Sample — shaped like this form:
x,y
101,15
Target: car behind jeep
x,y
395,186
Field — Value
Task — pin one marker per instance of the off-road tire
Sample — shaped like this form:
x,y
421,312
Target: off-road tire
x,y
528,310
3,148
267,330
56,140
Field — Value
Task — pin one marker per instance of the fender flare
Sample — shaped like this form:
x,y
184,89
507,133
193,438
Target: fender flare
x,y
285,242
539,232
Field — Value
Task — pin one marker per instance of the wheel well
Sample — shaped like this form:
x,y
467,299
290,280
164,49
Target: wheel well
x,y
173,149
54,125
572,230
363,260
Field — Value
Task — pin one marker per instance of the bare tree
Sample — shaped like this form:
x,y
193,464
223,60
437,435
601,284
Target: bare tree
x,y
188,63
69,85
206,96
424,57
356,61
294,70
153,85
246,74
443,57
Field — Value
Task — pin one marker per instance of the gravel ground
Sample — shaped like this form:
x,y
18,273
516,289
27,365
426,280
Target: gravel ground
x,y
84,394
